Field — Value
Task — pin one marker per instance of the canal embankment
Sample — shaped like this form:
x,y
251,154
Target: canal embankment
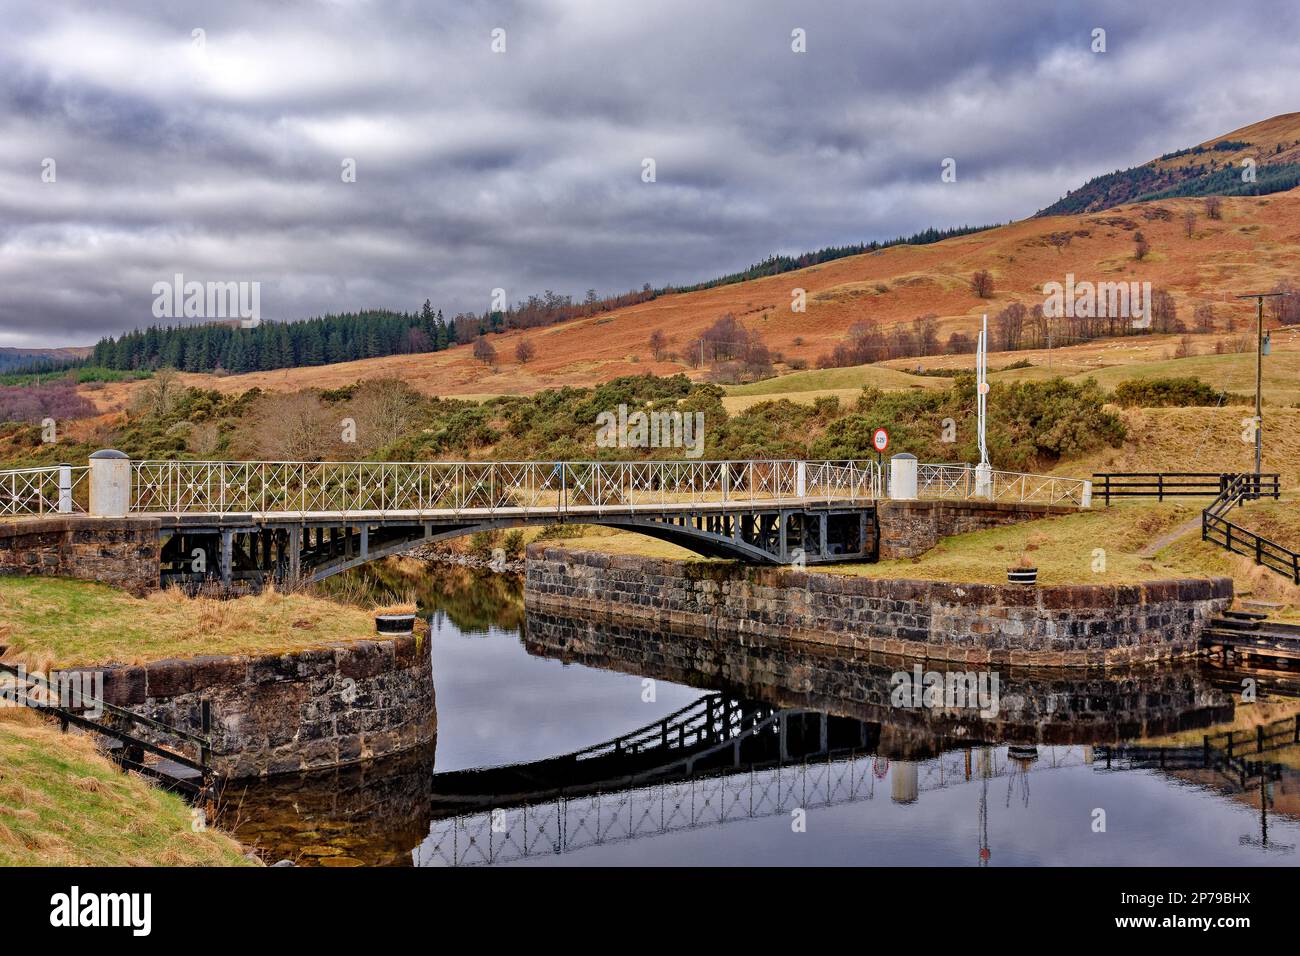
x,y
277,682
1001,624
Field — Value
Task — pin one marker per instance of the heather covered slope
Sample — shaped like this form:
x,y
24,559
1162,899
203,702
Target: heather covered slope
x,y
1255,245
1212,168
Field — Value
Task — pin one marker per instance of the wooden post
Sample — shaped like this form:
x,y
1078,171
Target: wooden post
x,y
227,548
205,727
295,553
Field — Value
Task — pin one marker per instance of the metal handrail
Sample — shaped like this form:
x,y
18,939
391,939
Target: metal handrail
x,y
221,487
55,489
960,481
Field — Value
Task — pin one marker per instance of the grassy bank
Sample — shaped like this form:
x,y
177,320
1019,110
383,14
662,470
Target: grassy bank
x,y
64,804
60,622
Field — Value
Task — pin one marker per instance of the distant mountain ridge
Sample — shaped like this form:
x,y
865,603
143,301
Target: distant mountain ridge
x,y
11,358
1214,168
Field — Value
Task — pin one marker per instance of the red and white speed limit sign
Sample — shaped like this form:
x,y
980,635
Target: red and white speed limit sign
x,y
880,439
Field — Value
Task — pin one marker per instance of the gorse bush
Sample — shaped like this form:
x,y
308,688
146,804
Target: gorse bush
x,y
1183,392
1032,425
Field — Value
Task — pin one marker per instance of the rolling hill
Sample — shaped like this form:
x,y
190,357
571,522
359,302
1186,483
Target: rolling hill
x,y
1253,244
1214,167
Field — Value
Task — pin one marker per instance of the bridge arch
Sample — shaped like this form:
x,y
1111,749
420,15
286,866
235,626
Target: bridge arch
x,y
259,548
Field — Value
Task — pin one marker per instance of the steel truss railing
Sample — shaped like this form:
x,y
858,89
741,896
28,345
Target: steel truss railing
x,y
61,489
959,481
488,488
218,487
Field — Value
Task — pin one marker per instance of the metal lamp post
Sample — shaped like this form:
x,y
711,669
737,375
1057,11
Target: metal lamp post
x,y
1259,298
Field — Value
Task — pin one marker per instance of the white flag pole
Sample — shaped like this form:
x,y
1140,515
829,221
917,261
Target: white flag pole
x,y
983,471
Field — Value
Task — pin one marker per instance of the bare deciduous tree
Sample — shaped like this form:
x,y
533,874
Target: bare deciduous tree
x,y
160,394
524,351
384,410
981,284
295,426
484,352
658,343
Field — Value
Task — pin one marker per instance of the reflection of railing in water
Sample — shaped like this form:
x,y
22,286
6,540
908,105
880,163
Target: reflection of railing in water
x,y
717,733
1228,752
569,824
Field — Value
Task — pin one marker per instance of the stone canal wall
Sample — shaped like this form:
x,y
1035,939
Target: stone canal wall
x,y
910,528
1058,705
117,551
323,707
1056,625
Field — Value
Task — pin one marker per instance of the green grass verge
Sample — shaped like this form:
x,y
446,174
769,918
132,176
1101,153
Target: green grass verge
x,y
64,804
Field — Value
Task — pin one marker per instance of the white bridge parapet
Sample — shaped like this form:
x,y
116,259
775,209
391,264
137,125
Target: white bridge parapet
x,y
432,488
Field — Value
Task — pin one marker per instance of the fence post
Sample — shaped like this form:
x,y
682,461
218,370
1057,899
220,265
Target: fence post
x,y
1085,499
65,489
205,726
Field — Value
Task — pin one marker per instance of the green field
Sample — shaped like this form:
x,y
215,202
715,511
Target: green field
x,y
824,379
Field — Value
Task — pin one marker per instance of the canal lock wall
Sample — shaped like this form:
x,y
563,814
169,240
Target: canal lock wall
x,y
1074,625
323,707
122,552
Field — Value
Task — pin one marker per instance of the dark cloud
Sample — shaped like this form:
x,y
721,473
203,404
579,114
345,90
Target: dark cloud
x,y
523,170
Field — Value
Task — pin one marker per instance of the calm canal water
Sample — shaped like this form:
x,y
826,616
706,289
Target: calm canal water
x,y
562,743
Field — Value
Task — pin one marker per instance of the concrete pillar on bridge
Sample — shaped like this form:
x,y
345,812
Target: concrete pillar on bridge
x,y
110,484
65,489
801,480
902,477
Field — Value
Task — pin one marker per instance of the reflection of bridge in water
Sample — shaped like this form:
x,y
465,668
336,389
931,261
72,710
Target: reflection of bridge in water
x,y
796,728
805,778
726,758
718,761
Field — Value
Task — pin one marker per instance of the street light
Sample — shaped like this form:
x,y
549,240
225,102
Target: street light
x,y
1259,298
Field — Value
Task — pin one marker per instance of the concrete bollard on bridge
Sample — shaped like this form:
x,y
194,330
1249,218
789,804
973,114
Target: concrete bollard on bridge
x,y
110,484
903,477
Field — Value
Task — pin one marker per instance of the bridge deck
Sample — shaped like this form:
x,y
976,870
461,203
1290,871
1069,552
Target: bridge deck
x,y
570,512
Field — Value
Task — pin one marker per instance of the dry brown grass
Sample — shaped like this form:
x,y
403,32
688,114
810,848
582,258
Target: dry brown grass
x,y
1252,247
53,622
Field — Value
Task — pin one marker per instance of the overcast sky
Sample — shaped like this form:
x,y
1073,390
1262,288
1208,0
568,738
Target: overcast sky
x,y
221,157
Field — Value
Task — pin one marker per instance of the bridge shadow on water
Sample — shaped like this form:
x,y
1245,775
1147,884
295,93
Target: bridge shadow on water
x,y
780,729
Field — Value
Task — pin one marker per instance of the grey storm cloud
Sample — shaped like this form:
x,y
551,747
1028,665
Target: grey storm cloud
x,y
221,159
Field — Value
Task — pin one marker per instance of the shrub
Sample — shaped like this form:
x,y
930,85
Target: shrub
x,y
481,544
1183,392
514,544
